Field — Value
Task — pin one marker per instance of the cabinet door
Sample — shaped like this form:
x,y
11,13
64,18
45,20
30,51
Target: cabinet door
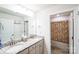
x,y
39,47
32,49
25,51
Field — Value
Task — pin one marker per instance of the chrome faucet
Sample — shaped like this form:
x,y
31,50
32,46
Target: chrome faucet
x,y
11,39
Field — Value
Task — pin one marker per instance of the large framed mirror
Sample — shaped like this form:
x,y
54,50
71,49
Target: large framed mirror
x,y
12,25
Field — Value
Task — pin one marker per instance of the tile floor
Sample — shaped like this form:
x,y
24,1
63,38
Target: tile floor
x,y
56,50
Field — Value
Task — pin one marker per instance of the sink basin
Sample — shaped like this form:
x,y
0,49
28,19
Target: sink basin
x,y
4,49
1,52
20,43
16,48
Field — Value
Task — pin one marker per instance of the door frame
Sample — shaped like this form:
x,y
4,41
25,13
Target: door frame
x,y
71,33
71,30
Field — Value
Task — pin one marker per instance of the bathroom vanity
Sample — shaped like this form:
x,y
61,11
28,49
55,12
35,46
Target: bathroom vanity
x,y
14,27
36,48
31,46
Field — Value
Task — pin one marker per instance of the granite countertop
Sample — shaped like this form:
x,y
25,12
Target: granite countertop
x,y
19,46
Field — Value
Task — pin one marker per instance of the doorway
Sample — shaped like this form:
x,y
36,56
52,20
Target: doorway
x,y
60,33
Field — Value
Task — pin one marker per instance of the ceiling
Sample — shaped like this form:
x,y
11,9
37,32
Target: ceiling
x,y
29,9
38,7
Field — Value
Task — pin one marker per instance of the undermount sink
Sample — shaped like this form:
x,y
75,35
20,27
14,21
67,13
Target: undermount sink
x,y
17,47
14,49
4,49
20,43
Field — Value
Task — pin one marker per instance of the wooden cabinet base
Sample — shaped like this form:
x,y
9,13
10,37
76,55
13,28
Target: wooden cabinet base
x,y
37,48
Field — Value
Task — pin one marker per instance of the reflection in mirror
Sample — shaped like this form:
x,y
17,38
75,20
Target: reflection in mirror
x,y
7,29
26,28
12,27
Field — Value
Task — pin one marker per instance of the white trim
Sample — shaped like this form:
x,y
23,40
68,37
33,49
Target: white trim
x,y
71,34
